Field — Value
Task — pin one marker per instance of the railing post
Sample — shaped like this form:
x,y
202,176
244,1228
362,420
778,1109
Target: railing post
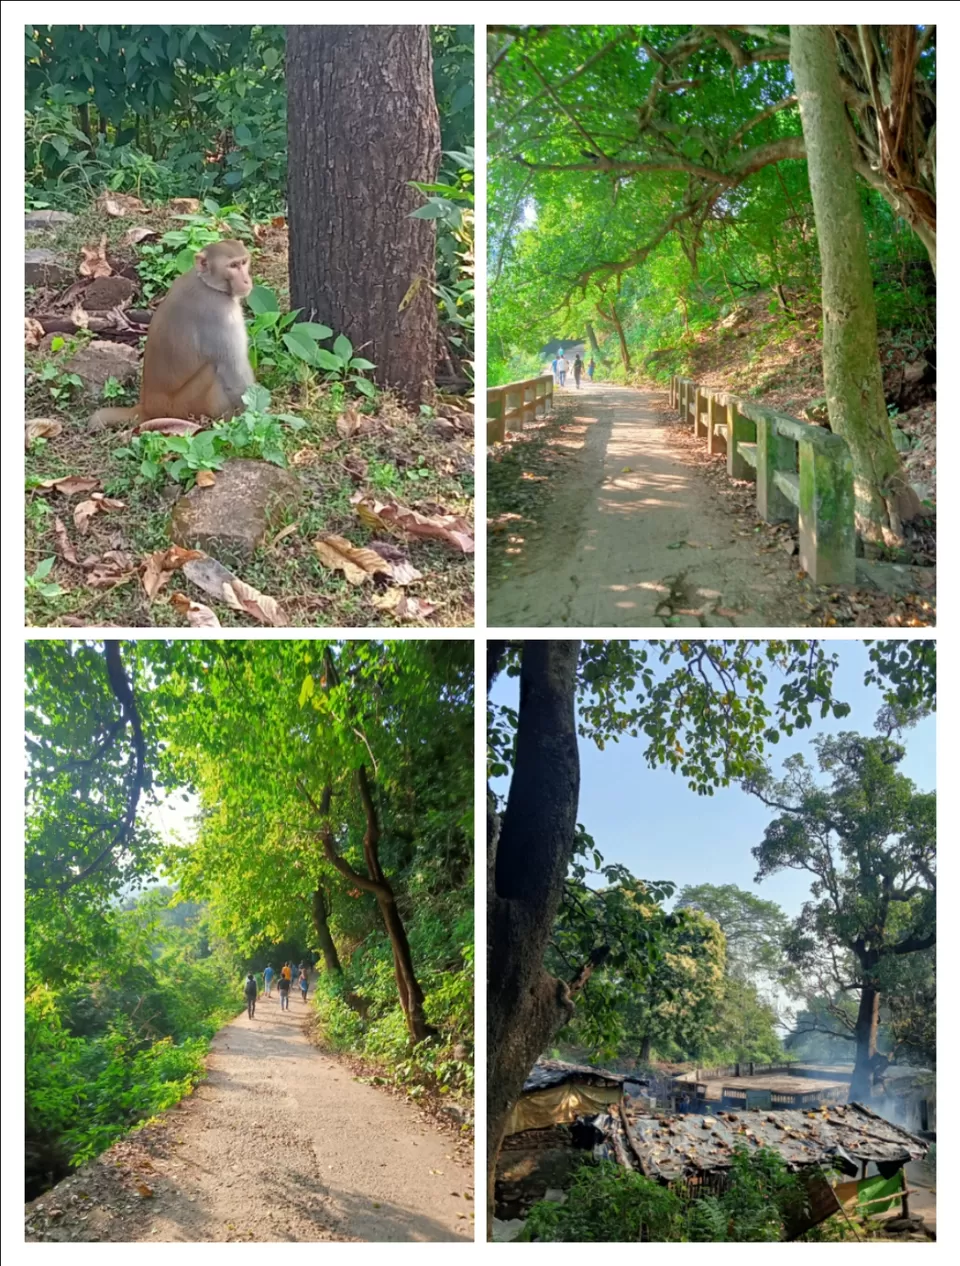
x,y
773,453
496,425
717,410
739,429
827,532
701,405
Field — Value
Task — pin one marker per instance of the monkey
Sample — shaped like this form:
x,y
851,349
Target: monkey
x,y
195,364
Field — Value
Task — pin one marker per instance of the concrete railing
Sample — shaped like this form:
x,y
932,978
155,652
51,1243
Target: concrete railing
x,y
802,472
515,402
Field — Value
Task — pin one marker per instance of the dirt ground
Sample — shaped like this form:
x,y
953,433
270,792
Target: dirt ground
x,y
280,1143
635,537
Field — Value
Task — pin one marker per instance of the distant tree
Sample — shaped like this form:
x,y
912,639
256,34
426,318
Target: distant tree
x,y
869,841
753,927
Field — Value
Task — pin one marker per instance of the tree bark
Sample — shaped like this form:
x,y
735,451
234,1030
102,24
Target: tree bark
x,y
614,317
645,1050
851,359
331,959
362,123
529,851
868,1018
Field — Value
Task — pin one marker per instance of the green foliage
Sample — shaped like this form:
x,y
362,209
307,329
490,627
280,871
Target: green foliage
x,y
256,432
37,582
610,1204
450,202
161,263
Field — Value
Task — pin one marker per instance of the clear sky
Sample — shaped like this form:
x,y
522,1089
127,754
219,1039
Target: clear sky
x,y
648,820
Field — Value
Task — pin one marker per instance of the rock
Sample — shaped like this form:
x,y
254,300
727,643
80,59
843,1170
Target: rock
x,y
505,1230
42,268
231,518
734,318
901,440
105,293
45,221
101,360
925,494
895,579
789,546
555,1195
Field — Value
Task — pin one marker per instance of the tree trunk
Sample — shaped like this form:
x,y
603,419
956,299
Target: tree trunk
x,y
851,359
362,123
331,959
528,853
614,317
594,345
868,1017
645,1050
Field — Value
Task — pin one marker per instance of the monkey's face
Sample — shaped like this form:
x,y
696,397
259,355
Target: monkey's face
x,y
225,266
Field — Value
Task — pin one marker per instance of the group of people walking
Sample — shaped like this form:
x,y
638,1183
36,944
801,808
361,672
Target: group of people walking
x,y
284,982
561,365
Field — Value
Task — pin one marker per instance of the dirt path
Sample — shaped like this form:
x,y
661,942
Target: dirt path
x,y
279,1143
633,536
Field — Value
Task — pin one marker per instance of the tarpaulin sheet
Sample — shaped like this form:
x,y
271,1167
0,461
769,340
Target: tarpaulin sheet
x,y
559,1105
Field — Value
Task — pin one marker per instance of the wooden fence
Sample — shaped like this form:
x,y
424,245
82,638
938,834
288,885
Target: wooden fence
x,y
515,402
802,472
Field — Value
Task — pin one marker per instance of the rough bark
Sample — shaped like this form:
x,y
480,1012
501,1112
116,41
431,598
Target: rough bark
x,y
645,1050
321,926
362,124
868,1018
529,851
613,316
851,359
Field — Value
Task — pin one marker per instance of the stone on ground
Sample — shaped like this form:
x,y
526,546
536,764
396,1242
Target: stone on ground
x,y
101,360
895,579
42,268
45,220
105,293
231,517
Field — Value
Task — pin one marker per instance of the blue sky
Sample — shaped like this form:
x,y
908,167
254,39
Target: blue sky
x,y
648,819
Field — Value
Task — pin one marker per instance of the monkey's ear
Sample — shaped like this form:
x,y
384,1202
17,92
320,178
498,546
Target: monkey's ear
x,y
200,261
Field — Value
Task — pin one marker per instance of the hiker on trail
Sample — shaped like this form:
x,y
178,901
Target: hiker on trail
x,y
553,366
250,992
303,984
283,988
562,369
590,369
268,980
577,370
286,974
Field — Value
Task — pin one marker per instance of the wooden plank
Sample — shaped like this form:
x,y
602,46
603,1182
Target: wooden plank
x,y
748,452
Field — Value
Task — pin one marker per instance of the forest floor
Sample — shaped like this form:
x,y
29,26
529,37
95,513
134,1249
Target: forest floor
x,y
390,458
608,514
281,1142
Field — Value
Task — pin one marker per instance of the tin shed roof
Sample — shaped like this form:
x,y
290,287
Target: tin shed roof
x,y
554,1072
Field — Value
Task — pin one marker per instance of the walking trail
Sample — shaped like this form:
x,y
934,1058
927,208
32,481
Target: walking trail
x,y
278,1143
633,536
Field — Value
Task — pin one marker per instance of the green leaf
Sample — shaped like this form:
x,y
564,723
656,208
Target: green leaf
x,y
328,360
314,329
271,57
44,569
301,346
343,347
261,300
364,386
257,398
432,211
358,362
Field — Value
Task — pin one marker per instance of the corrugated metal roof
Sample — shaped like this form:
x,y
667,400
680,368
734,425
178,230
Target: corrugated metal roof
x,y
554,1072
671,1147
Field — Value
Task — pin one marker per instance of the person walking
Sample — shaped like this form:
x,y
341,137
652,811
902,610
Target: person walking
x,y
286,973
250,992
577,370
553,366
283,988
268,980
562,369
303,982
590,369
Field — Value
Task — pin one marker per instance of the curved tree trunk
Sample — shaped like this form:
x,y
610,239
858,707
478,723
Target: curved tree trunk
x,y
362,122
868,1019
331,959
528,853
613,316
851,359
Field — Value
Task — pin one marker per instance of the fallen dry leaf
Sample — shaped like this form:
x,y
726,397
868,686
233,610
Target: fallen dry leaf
x,y
351,423
283,534
157,568
80,316
356,563
70,485
405,573
278,222
402,606
32,333
144,1190
184,206
356,467
195,613
206,479
82,514
168,426
209,575
118,204
243,597
95,260
139,233
451,529
49,428
64,544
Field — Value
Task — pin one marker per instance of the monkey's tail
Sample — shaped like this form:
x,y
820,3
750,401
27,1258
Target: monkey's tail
x,y
114,417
